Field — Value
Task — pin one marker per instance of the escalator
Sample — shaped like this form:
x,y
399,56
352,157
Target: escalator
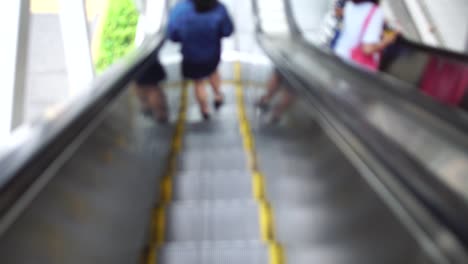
x,y
97,182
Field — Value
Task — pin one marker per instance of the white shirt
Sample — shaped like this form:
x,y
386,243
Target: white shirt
x,y
353,23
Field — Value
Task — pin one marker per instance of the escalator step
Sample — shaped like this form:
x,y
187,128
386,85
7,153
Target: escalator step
x,y
353,253
213,185
213,139
230,158
244,252
212,220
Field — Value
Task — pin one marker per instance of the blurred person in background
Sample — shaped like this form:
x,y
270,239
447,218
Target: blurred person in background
x,y
150,92
392,35
361,39
339,11
200,25
275,85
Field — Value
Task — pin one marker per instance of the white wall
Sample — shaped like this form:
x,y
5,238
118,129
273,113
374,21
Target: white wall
x,y
450,20
13,53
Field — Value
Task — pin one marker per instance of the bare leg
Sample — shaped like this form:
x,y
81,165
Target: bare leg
x,y
215,81
158,103
202,97
272,88
142,95
285,103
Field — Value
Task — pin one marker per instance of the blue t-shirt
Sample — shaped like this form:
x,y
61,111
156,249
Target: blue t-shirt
x,y
199,33
340,3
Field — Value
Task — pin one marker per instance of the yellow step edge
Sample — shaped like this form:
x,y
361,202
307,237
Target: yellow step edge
x,y
158,219
150,257
266,221
258,184
166,189
276,252
159,226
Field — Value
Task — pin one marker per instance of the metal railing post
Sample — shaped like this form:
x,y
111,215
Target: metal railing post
x,y
295,30
13,52
77,45
466,44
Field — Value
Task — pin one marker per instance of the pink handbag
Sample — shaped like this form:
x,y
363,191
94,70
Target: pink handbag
x,y
445,80
368,61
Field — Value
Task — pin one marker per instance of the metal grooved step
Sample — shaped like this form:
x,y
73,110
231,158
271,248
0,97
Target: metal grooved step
x,y
213,185
214,253
212,217
204,159
212,221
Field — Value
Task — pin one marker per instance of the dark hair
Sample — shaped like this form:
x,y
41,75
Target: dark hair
x,y
205,5
363,1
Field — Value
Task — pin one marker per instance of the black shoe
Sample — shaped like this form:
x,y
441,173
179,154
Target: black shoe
x,y
263,106
147,112
206,116
163,120
218,104
275,120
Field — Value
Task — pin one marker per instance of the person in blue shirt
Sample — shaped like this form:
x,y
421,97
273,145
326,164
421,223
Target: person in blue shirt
x,y
200,25
339,12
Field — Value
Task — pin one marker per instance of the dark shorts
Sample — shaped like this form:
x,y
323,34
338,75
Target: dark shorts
x,y
197,71
151,74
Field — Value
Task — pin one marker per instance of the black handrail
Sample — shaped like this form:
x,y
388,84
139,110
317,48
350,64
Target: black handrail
x,y
452,116
448,207
456,118
294,27
23,163
440,116
449,54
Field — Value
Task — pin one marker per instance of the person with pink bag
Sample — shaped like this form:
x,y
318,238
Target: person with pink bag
x,y
361,37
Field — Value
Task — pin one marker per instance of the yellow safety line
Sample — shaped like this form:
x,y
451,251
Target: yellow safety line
x,y
158,221
267,224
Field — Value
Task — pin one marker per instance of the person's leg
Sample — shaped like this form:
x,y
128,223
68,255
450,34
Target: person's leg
x,y
202,97
142,95
272,88
283,105
215,82
158,102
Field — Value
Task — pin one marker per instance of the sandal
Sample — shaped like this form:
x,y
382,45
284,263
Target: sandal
x,y
218,103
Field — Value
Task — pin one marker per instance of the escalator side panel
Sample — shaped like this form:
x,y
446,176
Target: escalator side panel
x,y
96,208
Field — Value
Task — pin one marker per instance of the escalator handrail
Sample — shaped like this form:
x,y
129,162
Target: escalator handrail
x,y
449,54
441,116
447,208
443,203
32,149
456,118
293,26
